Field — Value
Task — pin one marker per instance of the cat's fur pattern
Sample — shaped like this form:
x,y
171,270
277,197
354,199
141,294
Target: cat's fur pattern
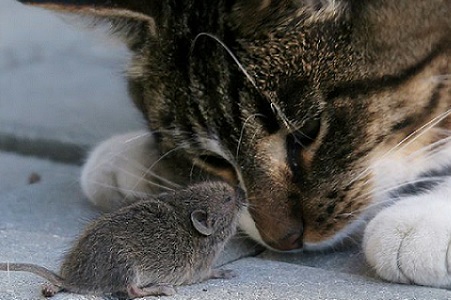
x,y
358,77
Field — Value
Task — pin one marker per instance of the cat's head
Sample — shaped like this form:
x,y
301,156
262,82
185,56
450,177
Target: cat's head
x,y
295,100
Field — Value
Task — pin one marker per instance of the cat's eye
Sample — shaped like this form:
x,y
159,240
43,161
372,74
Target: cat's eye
x,y
219,166
298,142
308,133
215,161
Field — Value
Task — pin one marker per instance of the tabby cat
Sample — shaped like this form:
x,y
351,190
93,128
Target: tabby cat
x,y
333,115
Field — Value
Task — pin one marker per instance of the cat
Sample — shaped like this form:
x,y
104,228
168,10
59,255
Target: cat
x,y
333,115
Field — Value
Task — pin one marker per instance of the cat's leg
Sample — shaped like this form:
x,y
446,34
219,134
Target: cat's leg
x,y
122,169
409,242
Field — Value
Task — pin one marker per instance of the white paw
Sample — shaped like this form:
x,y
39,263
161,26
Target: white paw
x,y
409,242
120,170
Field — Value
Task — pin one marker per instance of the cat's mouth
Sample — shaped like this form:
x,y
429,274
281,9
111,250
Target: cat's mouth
x,y
294,241
271,231
285,225
291,242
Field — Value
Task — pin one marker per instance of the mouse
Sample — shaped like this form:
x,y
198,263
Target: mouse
x,y
149,247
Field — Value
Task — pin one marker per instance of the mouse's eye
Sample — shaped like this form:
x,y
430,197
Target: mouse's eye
x,y
227,199
298,143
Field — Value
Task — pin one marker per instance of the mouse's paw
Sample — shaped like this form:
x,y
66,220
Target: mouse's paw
x,y
222,274
151,290
409,242
50,290
123,169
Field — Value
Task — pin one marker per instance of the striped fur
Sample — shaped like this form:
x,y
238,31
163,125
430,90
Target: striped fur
x,y
315,108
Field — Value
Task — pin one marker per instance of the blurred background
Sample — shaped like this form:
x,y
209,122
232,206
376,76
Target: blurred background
x,y
62,91
62,86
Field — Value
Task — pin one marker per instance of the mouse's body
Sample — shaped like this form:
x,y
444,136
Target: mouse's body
x,y
149,247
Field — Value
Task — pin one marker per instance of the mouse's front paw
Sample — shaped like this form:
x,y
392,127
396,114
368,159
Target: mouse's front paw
x,y
410,242
223,274
151,290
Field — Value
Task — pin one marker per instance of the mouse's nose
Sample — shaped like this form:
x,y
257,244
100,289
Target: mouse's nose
x,y
240,194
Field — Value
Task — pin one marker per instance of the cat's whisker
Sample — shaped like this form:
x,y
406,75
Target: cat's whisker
x,y
405,142
431,150
232,55
123,191
380,191
142,178
254,135
118,153
181,146
281,115
140,136
389,200
136,165
163,179
144,170
420,131
438,147
242,132
357,213
178,148
352,236
437,144
145,179
273,105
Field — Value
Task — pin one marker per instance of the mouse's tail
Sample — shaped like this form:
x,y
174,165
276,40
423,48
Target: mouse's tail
x,y
35,269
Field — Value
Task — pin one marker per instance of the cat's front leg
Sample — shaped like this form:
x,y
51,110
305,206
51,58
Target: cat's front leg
x,y
409,242
124,168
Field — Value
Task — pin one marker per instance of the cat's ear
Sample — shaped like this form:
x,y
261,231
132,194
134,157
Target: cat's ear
x,y
129,18
249,15
255,7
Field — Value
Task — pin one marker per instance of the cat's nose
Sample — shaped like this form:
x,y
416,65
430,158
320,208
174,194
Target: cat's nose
x,y
292,241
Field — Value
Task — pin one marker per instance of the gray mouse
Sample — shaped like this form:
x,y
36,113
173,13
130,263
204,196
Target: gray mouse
x,y
149,247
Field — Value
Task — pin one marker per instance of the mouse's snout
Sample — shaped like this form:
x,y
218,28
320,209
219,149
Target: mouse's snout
x,y
240,195
234,197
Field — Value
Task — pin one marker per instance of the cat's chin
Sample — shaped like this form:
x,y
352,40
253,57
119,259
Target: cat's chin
x,y
247,224
350,235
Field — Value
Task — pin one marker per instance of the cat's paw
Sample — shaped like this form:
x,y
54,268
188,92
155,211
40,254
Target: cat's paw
x,y
118,170
409,242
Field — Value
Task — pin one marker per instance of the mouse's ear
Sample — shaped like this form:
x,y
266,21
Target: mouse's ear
x,y
201,222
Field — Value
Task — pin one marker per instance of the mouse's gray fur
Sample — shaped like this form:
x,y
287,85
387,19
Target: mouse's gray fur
x,y
149,247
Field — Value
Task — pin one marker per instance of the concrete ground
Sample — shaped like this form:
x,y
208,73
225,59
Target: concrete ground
x,y
61,92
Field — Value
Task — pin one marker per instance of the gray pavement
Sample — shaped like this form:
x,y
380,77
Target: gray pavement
x,y
61,92
55,83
